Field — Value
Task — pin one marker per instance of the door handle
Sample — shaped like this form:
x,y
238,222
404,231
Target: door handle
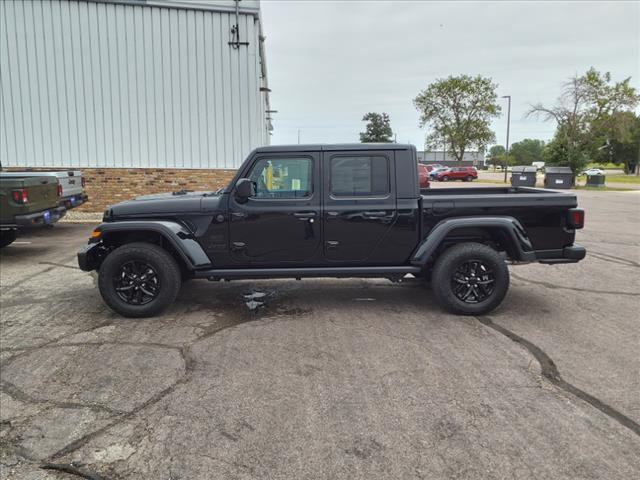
x,y
238,214
304,215
238,246
377,214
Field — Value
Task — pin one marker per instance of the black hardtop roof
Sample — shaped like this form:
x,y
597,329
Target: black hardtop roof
x,y
325,147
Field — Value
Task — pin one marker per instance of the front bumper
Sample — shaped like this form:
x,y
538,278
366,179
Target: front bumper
x,y
73,201
88,257
571,254
44,217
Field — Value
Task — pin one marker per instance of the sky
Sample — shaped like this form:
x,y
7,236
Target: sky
x,y
330,62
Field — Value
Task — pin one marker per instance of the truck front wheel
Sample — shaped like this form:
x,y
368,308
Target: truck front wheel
x,y
139,279
470,279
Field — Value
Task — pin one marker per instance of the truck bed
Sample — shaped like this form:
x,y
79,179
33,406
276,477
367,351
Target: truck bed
x,y
542,212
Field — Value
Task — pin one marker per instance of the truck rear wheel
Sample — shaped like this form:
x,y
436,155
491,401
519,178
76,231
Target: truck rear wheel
x,y
7,237
470,279
139,280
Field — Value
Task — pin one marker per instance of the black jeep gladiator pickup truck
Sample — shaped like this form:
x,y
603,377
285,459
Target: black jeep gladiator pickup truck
x,y
330,211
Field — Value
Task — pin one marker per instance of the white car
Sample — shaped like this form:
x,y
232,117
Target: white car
x,y
594,171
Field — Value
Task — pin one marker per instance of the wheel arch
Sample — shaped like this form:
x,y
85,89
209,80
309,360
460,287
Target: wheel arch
x,y
505,232
174,237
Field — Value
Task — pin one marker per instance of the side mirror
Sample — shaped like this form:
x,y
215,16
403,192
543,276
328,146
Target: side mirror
x,y
245,189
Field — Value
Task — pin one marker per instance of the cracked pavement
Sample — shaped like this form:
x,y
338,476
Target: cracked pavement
x,y
331,378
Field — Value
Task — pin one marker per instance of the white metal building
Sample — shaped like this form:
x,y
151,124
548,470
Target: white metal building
x,y
472,158
178,84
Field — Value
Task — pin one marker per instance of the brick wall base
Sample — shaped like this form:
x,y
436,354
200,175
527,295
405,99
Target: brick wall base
x,y
107,186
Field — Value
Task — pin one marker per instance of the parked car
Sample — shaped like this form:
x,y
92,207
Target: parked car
x,y
431,166
29,201
593,171
71,184
466,174
423,176
330,211
434,172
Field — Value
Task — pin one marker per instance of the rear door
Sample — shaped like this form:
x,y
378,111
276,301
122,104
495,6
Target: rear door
x,y
359,205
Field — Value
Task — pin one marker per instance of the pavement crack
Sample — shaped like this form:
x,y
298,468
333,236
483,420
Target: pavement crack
x,y
71,469
552,374
575,289
613,259
55,264
13,391
189,365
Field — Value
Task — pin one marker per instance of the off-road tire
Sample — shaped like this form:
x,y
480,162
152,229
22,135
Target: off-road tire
x,y
445,269
7,237
165,266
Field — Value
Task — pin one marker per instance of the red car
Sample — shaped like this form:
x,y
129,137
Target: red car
x,y
466,174
423,175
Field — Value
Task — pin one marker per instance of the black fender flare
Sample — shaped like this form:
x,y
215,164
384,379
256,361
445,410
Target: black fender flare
x,y
515,235
179,236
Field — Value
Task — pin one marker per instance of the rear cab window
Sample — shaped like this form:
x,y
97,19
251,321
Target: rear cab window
x,y
359,176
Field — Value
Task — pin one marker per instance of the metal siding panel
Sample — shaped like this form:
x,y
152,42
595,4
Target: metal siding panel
x,y
219,82
243,90
109,85
147,52
114,86
192,94
122,94
183,86
176,114
88,90
105,76
169,92
202,93
227,93
208,48
13,70
8,116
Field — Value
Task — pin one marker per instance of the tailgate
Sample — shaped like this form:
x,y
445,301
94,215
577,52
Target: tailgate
x,y
42,193
71,182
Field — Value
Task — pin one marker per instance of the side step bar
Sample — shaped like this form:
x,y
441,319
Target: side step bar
x,y
335,272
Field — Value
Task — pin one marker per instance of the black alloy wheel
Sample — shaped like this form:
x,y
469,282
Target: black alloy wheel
x,y
136,283
470,279
473,281
139,279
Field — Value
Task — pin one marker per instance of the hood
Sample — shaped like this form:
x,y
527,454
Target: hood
x,y
164,204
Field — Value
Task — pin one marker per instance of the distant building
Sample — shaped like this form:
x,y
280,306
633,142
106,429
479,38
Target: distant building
x,y
469,159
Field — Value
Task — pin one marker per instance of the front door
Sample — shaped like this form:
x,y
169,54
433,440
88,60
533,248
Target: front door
x,y
359,206
280,225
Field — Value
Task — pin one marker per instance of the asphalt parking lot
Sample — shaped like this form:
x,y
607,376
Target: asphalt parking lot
x,y
329,378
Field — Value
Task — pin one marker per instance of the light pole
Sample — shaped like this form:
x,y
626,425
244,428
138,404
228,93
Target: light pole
x,y
506,155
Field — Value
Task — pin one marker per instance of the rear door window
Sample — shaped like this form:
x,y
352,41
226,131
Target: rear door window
x,y
359,176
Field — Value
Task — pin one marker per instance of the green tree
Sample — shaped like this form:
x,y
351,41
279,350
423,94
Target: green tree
x,y
495,156
527,151
587,108
378,128
458,110
621,141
